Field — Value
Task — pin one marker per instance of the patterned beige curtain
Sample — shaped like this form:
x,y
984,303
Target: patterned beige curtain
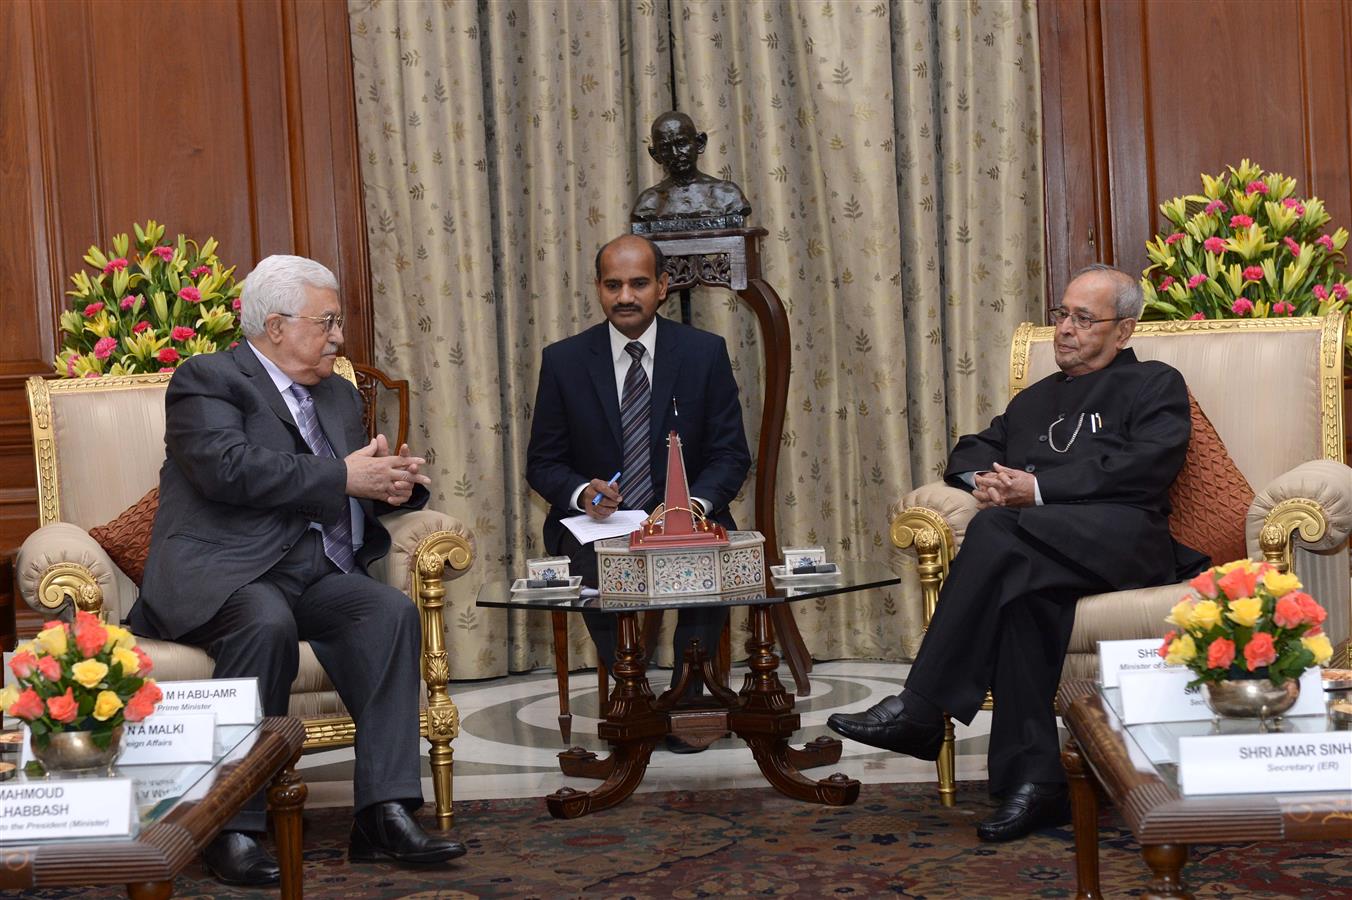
x,y
893,153
891,150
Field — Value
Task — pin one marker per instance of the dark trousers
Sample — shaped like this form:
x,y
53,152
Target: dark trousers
x,y
1003,622
703,625
367,637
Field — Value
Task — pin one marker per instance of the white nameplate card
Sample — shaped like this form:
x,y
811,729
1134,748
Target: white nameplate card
x,y
1164,696
233,701
1265,763
88,807
168,739
1116,657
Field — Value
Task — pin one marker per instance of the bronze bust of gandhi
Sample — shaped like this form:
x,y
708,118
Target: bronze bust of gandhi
x,y
687,198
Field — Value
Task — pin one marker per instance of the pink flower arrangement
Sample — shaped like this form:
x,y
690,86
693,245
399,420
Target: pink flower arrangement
x,y
168,356
1247,245
138,296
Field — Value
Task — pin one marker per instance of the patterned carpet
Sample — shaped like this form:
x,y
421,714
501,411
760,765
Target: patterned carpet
x,y
895,842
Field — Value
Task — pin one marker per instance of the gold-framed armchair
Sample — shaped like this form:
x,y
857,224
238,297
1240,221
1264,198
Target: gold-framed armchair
x,y
98,445
1272,388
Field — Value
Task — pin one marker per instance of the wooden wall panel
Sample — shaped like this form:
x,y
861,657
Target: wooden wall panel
x,y
235,121
1140,96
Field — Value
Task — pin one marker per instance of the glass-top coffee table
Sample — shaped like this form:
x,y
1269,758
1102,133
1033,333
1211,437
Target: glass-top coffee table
x,y
178,808
1136,767
761,713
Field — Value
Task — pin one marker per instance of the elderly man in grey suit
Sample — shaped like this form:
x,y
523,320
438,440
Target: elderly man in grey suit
x,y
268,517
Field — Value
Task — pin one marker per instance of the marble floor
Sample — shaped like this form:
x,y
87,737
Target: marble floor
x,y
509,738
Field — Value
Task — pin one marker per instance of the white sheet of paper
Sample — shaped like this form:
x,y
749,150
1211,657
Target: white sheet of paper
x,y
621,521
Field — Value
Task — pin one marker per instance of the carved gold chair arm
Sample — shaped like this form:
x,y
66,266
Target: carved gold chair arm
x,y
1311,503
930,521
60,568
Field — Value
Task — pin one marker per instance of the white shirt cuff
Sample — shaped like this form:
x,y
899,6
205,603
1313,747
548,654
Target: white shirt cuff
x,y
577,495
1037,493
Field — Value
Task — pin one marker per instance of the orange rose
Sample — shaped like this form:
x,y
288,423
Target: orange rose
x,y
1259,651
63,708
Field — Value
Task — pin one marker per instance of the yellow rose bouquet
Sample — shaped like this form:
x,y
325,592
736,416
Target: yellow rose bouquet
x,y
86,677
1246,620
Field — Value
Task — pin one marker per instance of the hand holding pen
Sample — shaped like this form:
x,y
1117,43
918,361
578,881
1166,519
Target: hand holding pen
x,y
601,498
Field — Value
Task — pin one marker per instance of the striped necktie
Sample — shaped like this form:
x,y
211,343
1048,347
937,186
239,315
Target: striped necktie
x,y
636,484
338,536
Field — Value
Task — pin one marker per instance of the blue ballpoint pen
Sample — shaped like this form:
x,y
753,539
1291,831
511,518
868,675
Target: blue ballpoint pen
x,y
613,478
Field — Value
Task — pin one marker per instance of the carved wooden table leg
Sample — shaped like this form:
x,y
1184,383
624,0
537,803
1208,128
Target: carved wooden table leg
x,y
560,621
286,799
1166,864
150,890
824,751
631,727
791,643
1084,816
765,719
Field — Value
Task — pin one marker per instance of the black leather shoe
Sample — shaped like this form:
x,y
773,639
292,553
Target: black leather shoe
x,y
1024,810
386,831
237,859
888,726
680,745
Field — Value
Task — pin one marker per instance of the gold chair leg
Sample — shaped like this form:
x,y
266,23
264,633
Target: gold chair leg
x,y
947,766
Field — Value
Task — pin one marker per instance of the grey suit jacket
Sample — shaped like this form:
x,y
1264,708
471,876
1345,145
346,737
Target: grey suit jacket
x,y
239,486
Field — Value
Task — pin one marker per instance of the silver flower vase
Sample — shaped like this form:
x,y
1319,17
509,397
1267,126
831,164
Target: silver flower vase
x,y
1251,698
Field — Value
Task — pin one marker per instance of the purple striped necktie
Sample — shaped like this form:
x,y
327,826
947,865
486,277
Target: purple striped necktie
x,y
338,536
636,483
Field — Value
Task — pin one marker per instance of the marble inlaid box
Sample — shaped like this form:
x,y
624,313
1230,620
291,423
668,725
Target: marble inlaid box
x,y
736,566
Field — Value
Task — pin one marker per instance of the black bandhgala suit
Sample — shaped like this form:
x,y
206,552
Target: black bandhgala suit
x,y
1104,447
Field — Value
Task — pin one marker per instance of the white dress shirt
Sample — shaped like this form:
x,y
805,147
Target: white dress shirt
x,y
283,382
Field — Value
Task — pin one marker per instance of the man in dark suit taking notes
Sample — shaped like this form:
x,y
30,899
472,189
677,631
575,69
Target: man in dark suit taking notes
x,y
607,399
267,520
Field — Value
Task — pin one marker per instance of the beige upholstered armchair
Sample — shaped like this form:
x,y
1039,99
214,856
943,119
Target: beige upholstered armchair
x,y
1272,388
99,444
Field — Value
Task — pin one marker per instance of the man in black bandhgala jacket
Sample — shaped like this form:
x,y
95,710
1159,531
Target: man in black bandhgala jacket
x,y
1072,482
